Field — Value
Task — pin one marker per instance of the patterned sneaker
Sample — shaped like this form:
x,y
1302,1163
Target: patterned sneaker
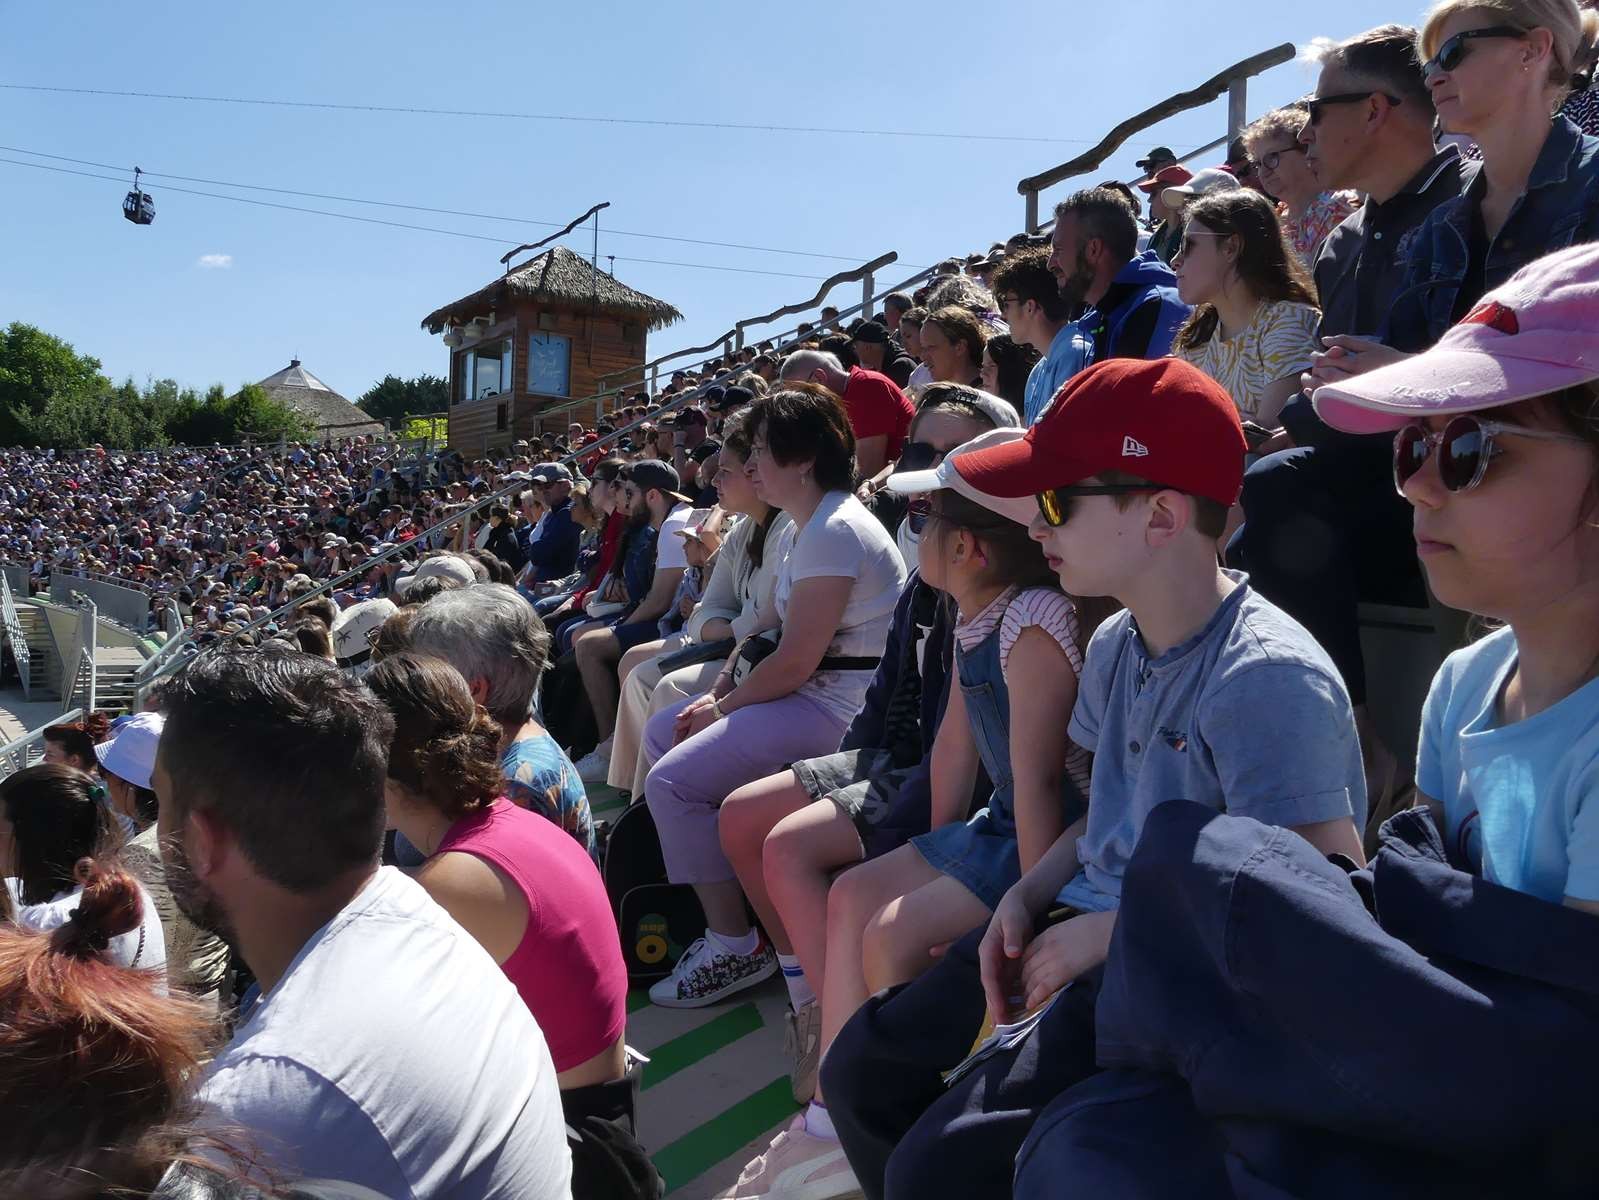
x,y
802,1042
709,972
798,1166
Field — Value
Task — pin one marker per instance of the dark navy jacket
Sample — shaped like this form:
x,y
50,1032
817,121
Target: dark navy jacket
x,y
554,552
1560,208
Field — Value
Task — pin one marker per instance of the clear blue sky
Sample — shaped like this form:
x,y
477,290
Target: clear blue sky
x,y
347,298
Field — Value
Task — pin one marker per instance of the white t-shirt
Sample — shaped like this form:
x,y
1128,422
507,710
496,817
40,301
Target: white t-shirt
x,y
843,539
144,947
394,1053
670,551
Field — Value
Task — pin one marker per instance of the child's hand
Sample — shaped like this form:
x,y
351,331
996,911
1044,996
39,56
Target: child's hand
x,y
1063,952
1000,954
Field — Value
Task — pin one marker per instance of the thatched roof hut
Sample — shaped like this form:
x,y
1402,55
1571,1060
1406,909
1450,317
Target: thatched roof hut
x,y
330,412
560,279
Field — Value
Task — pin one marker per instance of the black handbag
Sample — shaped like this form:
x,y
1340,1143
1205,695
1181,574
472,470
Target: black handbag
x,y
696,653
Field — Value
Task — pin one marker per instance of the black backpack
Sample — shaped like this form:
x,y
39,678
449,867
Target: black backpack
x,y
657,920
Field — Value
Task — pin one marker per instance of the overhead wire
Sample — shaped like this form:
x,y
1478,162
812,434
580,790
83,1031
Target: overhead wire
x,y
571,117
448,212
458,233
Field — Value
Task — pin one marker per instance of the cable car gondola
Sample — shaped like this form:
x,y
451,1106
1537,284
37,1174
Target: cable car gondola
x,y
138,206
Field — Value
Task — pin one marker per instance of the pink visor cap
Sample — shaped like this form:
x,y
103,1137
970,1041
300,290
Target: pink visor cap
x,y
1537,333
947,475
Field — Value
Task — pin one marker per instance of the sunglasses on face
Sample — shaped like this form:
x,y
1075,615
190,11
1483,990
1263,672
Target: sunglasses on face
x,y
919,456
1056,504
1189,245
1465,446
1270,162
1316,107
1454,50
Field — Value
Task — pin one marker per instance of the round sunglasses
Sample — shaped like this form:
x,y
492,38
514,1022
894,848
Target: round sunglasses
x,y
1465,446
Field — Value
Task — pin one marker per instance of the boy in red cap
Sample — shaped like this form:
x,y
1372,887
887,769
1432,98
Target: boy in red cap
x,y
1199,690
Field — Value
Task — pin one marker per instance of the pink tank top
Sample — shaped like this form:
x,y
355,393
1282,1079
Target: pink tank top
x,y
568,966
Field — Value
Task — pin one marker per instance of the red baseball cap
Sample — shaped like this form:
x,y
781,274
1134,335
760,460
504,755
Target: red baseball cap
x,y
1164,178
1160,419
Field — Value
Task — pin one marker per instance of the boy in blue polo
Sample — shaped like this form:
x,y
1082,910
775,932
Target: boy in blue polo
x,y
1200,690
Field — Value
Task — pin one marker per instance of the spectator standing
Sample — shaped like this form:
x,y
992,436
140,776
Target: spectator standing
x,y
1133,306
378,1050
1253,329
879,413
1030,301
1308,212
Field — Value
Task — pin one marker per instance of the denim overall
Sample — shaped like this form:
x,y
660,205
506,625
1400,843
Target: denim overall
x,y
981,854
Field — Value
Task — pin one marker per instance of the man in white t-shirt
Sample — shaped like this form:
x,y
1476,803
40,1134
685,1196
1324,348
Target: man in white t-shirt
x,y
653,495
387,1048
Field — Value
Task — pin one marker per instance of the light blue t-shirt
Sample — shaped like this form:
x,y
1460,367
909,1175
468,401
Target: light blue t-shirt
x,y
1068,354
1249,716
1521,801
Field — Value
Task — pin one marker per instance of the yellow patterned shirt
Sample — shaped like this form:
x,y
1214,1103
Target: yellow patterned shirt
x,y
1276,344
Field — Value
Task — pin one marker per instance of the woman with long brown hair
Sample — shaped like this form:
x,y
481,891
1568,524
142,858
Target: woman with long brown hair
x,y
1253,328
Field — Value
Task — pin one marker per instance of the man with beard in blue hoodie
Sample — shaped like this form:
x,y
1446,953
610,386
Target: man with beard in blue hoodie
x,y
1131,301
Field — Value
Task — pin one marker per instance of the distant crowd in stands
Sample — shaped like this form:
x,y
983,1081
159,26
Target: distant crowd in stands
x,y
988,669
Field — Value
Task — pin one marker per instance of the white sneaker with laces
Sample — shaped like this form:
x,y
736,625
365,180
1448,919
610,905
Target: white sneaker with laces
x,y
595,766
798,1166
709,971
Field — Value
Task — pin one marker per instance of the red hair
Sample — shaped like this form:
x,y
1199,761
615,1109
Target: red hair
x,y
96,1063
79,738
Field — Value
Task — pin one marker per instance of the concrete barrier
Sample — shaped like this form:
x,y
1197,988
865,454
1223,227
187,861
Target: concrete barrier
x,y
126,605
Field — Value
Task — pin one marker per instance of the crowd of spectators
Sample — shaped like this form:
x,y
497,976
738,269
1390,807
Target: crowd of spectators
x,y
989,670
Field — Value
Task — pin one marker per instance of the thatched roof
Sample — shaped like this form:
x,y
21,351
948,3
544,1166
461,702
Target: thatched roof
x,y
326,409
561,279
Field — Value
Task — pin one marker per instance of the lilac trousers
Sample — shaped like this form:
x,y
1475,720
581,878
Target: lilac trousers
x,y
686,786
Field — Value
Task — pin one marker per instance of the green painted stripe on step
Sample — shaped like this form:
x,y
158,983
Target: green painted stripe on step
x,y
695,1153
638,998
696,1045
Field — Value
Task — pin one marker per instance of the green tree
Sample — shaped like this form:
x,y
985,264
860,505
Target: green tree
x,y
393,398
36,370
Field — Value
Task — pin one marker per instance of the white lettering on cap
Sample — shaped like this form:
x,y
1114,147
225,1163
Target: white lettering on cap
x,y
1133,448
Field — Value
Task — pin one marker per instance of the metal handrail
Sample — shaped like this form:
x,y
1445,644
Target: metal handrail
x,y
15,635
85,680
24,745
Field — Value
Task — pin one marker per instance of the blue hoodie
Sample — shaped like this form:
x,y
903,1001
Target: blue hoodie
x,y
1139,313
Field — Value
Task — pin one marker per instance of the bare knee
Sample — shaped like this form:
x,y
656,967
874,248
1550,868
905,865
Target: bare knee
x,y
882,952
738,825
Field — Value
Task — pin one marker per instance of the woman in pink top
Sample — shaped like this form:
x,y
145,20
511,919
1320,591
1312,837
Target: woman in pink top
x,y
523,888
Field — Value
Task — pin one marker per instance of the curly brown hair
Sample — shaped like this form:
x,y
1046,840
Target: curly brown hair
x,y
445,745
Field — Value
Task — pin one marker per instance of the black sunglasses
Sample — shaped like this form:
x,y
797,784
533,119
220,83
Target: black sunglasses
x,y
919,456
1056,504
1465,448
1315,105
1453,52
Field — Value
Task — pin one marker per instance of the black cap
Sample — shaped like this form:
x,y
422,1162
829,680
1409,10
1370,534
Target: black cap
x,y
704,450
872,331
734,397
1157,156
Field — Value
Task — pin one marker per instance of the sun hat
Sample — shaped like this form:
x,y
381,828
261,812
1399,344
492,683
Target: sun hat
x,y
1536,333
1159,419
130,753
445,566
353,629
949,475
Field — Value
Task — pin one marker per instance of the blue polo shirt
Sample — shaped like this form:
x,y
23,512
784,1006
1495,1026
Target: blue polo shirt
x,y
1248,716
1068,354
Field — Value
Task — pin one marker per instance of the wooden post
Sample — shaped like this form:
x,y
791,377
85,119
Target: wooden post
x,y
1237,107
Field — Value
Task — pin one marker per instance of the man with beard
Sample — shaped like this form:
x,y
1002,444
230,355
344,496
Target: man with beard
x,y
1133,309
387,1049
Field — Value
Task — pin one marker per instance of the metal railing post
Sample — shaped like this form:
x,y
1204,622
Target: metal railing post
x,y
1237,106
868,286
1031,218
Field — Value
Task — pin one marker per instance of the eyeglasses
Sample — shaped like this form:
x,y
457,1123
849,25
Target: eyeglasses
x,y
1010,298
1243,169
1453,52
919,456
1056,504
1269,162
1315,105
1188,240
1465,447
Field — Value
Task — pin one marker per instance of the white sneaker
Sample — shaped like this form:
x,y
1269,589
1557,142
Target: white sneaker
x,y
595,766
798,1166
709,971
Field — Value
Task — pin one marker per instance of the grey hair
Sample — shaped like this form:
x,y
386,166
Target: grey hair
x,y
961,291
802,362
488,633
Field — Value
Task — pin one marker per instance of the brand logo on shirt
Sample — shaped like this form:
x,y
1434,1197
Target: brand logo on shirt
x,y
1133,448
1178,741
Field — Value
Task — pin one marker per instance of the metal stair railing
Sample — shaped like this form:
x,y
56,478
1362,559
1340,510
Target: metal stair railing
x,y
15,756
15,636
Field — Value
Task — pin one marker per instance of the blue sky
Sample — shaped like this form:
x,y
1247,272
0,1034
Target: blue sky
x,y
220,291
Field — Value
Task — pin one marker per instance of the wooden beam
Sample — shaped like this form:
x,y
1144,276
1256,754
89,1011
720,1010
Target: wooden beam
x,y
1211,89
